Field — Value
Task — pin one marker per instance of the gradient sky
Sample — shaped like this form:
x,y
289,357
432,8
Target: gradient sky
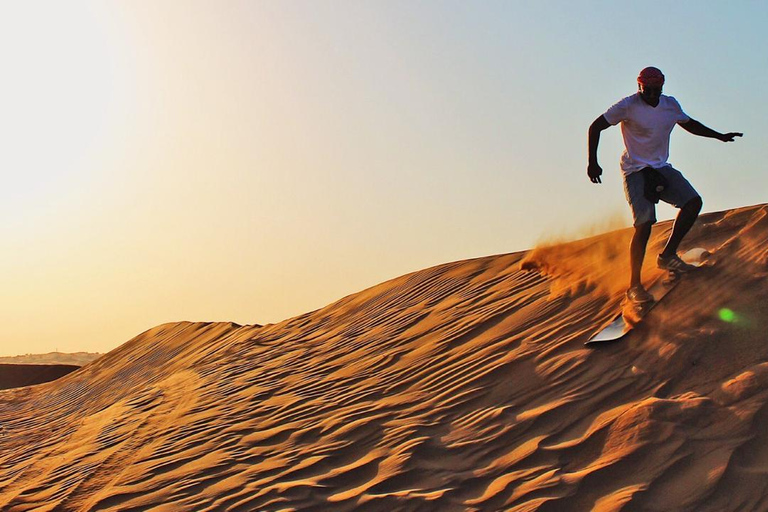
x,y
251,161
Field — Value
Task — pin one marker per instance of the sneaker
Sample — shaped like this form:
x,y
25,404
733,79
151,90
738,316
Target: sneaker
x,y
673,263
639,295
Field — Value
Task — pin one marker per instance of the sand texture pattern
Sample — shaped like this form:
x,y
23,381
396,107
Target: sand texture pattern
x,y
466,386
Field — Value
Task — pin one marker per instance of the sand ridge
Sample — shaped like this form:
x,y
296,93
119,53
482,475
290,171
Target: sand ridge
x,y
465,386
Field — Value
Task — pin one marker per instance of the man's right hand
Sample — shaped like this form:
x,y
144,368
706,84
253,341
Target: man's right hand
x,y
594,171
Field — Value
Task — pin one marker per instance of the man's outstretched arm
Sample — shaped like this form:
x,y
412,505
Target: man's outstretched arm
x,y
696,128
593,168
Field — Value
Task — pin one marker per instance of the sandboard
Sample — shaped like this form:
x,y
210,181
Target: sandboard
x,y
631,315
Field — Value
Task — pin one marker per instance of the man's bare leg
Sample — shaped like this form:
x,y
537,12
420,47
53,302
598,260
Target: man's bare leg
x,y
637,251
686,217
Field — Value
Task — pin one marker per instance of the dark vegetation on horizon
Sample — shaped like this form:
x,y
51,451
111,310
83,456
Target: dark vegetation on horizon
x,y
21,375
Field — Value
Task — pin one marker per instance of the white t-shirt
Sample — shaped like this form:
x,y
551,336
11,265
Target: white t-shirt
x,y
646,130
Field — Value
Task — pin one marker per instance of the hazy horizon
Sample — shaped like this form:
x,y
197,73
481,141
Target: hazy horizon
x,y
252,161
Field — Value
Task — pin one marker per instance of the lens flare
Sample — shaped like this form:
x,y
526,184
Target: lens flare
x,y
727,315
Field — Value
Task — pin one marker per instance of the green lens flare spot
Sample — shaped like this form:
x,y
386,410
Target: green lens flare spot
x,y
727,315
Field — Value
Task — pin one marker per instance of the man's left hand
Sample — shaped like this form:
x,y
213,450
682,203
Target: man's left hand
x,y
728,137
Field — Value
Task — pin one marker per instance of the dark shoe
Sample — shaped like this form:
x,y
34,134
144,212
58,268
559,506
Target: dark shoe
x,y
639,295
673,263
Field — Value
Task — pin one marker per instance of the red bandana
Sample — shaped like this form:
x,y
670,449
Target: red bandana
x,y
651,77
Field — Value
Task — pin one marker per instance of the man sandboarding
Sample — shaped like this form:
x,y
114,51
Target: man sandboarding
x,y
647,119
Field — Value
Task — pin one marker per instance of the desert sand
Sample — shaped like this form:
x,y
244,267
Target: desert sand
x,y
466,386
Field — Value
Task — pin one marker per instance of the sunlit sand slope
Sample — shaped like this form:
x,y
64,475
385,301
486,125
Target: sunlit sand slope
x,y
461,387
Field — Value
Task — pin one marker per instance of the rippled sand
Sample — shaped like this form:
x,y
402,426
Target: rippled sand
x,y
461,387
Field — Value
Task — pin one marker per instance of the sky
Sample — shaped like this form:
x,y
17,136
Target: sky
x,y
250,161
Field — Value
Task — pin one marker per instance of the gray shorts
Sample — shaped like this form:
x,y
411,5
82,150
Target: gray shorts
x,y
677,193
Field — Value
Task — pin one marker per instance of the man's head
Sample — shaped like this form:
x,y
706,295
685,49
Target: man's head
x,y
650,81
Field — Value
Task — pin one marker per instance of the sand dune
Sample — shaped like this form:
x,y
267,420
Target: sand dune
x,y
460,387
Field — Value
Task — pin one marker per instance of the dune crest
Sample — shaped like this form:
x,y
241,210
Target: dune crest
x,y
461,387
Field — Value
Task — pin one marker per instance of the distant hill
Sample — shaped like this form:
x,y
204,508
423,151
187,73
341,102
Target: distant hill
x,y
76,359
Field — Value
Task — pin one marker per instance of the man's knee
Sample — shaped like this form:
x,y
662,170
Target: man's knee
x,y
644,228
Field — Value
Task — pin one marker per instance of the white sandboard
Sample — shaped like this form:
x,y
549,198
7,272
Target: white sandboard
x,y
619,326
